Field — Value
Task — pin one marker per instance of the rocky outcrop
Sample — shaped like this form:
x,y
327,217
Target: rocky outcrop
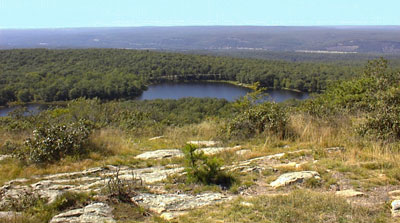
x,y
294,177
94,179
171,204
175,153
93,213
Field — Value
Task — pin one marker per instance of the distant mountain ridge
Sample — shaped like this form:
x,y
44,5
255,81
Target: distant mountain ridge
x,y
354,39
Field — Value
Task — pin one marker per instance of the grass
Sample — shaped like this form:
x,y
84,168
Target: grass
x,y
364,165
299,206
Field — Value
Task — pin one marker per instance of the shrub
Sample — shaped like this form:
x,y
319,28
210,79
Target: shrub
x,y
70,200
122,189
21,202
50,144
384,121
203,169
266,117
8,148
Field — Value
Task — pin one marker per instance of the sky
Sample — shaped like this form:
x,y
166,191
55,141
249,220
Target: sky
x,y
116,13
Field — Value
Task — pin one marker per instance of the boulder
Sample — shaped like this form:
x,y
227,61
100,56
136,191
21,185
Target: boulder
x,y
294,177
396,208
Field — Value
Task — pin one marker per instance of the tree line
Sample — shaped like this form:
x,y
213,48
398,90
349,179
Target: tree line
x,y
57,75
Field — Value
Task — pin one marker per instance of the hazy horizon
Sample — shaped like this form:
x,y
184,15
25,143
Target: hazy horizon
x,y
39,14
183,26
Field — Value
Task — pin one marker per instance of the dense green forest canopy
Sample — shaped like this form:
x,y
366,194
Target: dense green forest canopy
x,y
327,57
58,75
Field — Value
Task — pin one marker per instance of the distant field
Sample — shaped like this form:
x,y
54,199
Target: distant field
x,y
367,39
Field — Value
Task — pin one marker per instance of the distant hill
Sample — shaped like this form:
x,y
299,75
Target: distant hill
x,y
346,39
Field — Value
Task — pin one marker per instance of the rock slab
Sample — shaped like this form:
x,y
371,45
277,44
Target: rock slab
x,y
93,213
349,193
9,215
176,153
161,203
203,143
294,177
160,154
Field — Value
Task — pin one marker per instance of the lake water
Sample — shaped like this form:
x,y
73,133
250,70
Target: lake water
x,y
227,91
30,109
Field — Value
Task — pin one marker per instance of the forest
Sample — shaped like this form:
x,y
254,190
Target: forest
x,y
28,75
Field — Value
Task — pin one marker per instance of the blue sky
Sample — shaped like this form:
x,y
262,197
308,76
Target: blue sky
x,y
104,13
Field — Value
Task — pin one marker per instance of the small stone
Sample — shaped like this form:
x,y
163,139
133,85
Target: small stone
x,y
396,208
155,138
246,204
168,216
294,177
243,152
3,157
334,149
349,193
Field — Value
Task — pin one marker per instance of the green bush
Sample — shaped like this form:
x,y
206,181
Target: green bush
x,y
384,121
266,117
70,200
203,169
50,144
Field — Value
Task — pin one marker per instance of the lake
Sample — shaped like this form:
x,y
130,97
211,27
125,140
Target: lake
x,y
221,90
30,109
227,91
